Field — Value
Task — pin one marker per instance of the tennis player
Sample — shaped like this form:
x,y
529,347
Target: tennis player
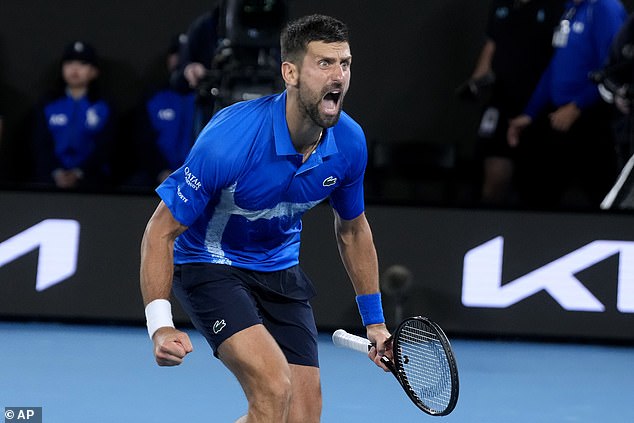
x,y
225,238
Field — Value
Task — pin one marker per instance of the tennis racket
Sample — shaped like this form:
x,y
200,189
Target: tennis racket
x,y
424,363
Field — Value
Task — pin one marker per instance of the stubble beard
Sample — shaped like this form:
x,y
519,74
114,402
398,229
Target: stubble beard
x,y
310,108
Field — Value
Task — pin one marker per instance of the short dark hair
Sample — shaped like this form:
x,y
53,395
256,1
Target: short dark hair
x,y
297,34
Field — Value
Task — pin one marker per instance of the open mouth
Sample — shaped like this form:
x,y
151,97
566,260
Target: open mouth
x,y
330,101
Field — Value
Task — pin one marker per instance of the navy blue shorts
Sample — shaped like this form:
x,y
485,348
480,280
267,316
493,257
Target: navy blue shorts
x,y
222,300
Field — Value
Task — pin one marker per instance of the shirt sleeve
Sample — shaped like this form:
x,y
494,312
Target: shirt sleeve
x,y
189,189
348,198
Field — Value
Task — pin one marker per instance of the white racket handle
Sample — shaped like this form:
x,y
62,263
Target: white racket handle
x,y
341,338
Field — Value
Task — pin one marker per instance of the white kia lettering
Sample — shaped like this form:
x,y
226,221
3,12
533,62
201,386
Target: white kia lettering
x,y
482,277
58,241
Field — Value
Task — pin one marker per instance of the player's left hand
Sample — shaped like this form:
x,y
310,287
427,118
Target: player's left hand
x,y
380,337
564,117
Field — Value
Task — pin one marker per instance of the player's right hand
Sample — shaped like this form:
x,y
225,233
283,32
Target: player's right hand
x,y
171,346
381,339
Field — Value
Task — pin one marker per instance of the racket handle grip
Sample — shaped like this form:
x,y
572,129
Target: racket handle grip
x,y
341,338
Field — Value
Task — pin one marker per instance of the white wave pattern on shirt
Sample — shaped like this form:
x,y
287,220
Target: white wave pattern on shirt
x,y
227,207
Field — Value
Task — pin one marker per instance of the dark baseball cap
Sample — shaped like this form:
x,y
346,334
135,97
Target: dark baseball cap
x,y
81,51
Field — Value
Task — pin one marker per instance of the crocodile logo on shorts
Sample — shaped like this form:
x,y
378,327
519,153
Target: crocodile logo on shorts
x,y
219,325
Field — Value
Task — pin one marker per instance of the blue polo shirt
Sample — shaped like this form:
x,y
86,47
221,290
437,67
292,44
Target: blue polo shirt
x,y
243,188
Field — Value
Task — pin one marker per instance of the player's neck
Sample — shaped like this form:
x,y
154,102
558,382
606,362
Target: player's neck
x,y
305,135
310,149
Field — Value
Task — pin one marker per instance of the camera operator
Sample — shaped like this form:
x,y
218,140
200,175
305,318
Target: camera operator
x,y
615,80
220,42
616,77
195,58
616,85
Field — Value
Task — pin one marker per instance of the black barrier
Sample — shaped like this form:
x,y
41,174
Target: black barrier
x,y
476,272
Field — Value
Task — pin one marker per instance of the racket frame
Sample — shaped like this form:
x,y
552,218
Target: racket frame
x,y
399,372
344,339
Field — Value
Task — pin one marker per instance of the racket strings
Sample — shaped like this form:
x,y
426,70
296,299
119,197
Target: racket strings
x,y
424,365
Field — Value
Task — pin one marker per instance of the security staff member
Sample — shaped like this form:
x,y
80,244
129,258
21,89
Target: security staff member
x,y
566,139
73,133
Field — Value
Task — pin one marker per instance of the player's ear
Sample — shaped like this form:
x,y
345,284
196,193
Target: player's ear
x,y
290,73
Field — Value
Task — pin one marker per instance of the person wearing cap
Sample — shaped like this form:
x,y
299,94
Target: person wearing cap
x,y
73,132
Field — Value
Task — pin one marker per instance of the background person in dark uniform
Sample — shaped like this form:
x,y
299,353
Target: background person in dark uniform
x,y
567,147
195,59
165,126
73,134
517,50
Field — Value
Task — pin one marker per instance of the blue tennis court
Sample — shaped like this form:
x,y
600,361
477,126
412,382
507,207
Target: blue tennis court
x,y
87,373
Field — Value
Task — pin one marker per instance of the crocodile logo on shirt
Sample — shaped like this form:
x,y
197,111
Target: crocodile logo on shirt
x,y
329,181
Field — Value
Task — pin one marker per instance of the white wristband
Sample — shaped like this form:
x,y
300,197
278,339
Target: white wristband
x,y
158,314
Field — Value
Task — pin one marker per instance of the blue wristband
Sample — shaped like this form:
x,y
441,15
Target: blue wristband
x,y
370,308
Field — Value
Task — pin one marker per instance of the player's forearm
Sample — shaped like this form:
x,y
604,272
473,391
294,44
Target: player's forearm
x,y
156,267
157,254
358,254
362,267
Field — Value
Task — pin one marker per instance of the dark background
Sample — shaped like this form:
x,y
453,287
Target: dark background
x,y
409,56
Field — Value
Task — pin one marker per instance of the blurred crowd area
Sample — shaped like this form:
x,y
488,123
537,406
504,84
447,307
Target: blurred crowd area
x,y
420,89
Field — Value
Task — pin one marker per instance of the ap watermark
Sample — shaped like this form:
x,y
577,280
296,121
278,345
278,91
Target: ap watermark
x,y
23,414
